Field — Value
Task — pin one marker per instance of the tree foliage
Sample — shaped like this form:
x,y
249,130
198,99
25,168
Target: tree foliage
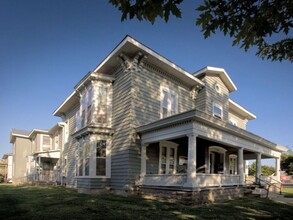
x,y
265,24
287,162
148,9
265,170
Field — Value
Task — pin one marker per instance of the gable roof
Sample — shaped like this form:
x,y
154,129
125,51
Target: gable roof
x,y
221,73
29,134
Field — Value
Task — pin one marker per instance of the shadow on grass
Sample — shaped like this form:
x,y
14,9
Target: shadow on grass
x,y
61,203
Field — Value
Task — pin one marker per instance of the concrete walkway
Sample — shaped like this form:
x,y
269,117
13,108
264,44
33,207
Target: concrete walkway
x,y
280,198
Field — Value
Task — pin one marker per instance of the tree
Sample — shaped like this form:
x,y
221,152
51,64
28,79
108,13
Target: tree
x,y
265,170
250,23
287,162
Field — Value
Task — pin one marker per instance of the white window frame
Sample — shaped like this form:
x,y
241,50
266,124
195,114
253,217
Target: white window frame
x,y
66,133
92,159
219,150
234,158
217,105
232,121
169,145
42,143
218,88
170,93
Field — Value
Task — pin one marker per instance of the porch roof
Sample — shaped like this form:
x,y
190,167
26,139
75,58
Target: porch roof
x,y
199,116
48,154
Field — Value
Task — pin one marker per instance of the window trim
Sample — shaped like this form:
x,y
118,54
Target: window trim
x,y
169,145
92,158
234,157
233,122
218,88
169,92
42,142
217,105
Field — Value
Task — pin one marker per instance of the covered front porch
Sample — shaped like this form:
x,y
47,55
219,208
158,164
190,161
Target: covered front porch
x,y
43,167
195,150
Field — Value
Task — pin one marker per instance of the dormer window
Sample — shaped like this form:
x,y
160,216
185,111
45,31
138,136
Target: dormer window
x,y
217,110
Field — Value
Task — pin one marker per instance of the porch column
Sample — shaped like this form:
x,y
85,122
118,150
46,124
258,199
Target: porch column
x,y
258,168
240,166
143,160
191,164
278,168
39,172
207,160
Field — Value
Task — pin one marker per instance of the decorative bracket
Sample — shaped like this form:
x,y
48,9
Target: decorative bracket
x,y
194,91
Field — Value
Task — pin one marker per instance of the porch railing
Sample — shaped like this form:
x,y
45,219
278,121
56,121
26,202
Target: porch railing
x,y
200,180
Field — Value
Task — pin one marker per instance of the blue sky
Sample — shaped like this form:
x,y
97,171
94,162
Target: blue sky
x,y
47,46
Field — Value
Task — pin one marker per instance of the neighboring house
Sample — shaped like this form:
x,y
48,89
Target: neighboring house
x,y
139,120
36,154
6,170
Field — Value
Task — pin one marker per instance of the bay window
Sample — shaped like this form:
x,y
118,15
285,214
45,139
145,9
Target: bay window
x,y
93,159
102,104
101,158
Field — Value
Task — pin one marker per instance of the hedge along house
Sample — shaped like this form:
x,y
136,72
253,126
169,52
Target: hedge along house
x,y
140,120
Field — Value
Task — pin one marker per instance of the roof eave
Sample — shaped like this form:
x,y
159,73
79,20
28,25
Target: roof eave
x,y
248,115
149,52
208,69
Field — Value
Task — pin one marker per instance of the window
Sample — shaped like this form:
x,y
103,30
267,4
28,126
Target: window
x,y
89,105
102,104
217,110
46,142
169,102
56,139
168,157
233,164
84,114
77,121
233,122
64,173
80,162
217,159
87,159
83,108
101,158
66,131
92,159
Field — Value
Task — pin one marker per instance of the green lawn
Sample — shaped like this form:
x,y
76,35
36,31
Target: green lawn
x,y
287,192
61,203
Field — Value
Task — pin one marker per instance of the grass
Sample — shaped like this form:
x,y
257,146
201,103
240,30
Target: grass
x,y
287,192
62,203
